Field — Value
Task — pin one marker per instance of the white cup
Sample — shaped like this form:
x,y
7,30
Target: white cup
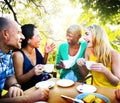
x,y
89,63
48,67
67,63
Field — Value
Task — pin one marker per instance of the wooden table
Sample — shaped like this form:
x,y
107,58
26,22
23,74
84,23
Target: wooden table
x,y
56,91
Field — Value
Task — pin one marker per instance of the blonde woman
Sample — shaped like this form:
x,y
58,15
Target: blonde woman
x,y
71,51
106,70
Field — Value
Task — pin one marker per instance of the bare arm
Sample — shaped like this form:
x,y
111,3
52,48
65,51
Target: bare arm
x,y
37,95
13,91
114,76
45,57
9,81
18,66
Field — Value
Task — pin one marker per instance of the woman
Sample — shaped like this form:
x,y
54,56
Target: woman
x,y
106,70
28,62
71,51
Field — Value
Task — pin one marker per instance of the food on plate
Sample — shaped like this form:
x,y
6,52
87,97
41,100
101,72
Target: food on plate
x,y
92,98
89,98
99,100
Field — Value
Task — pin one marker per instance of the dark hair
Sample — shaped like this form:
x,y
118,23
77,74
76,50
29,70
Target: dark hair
x,y
4,23
28,32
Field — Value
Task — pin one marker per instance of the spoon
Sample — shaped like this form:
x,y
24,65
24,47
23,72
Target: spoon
x,y
76,100
81,88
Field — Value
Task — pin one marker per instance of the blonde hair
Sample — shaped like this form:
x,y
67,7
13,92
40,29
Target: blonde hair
x,y
76,29
101,44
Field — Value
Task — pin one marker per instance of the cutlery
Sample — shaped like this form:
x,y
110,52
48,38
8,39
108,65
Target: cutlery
x,y
50,86
76,100
81,87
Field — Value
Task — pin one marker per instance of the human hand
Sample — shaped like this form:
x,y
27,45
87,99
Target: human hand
x,y
81,62
117,93
60,65
14,91
40,94
49,48
38,69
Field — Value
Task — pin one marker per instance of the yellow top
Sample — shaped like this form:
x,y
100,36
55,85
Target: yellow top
x,y
99,79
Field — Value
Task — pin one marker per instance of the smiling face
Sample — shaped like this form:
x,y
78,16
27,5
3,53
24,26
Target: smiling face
x,y
72,38
35,40
15,36
73,34
88,38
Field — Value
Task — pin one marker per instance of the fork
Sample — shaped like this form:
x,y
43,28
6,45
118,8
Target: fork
x,y
76,100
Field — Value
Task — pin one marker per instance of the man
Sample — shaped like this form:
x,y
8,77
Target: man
x,y
11,38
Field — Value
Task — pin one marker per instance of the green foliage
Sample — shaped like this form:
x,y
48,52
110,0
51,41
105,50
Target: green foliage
x,y
107,10
115,46
53,17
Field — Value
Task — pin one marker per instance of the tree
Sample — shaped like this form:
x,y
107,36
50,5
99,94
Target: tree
x,y
107,10
10,6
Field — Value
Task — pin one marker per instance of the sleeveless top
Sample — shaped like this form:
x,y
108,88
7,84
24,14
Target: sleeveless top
x,y
99,79
27,66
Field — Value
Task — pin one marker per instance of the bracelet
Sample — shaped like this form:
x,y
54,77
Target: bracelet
x,y
16,85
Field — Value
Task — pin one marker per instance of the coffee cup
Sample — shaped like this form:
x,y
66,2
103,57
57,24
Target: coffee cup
x,y
89,63
48,67
67,63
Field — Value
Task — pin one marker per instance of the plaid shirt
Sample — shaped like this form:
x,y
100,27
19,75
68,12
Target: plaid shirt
x,y
6,68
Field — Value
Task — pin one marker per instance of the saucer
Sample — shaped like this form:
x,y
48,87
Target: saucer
x,y
65,82
45,84
86,88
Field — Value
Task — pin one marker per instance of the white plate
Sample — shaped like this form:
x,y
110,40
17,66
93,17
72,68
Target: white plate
x,y
45,84
65,82
86,88
41,102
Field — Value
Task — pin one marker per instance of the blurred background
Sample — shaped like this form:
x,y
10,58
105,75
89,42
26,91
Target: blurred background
x,y
53,17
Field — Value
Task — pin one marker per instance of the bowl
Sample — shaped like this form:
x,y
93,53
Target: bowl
x,y
97,95
89,63
48,68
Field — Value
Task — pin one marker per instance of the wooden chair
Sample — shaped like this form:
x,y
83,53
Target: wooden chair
x,y
54,74
86,78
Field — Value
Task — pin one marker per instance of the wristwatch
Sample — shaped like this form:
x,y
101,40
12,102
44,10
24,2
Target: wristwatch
x,y
16,85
